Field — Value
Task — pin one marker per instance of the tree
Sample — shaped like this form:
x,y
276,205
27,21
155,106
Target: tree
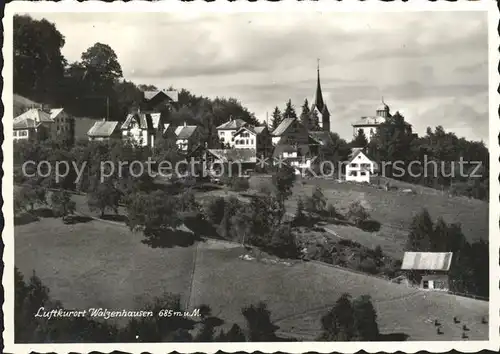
x,y
152,213
283,180
299,213
38,62
235,334
305,115
61,204
317,202
420,230
101,64
277,117
103,197
338,323
365,318
32,193
214,210
283,242
360,140
314,120
289,111
260,326
357,213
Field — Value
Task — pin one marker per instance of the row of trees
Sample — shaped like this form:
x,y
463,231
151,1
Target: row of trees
x,y
394,141
307,118
94,86
347,320
469,271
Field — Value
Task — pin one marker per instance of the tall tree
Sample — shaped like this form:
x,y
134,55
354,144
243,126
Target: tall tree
x,y
338,323
419,239
277,117
365,319
260,326
289,111
38,62
305,115
360,140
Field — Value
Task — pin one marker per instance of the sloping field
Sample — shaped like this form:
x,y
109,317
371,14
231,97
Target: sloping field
x,y
95,264
393,209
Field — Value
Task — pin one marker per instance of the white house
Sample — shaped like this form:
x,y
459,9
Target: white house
x,y
359,167
227,131
255,138
141,128
54,121
433,266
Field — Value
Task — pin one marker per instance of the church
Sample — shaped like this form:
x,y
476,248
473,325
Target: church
x,y
320,109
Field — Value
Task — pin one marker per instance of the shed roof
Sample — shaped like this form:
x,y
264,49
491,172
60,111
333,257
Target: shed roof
x,y
185,131
102,128
427,261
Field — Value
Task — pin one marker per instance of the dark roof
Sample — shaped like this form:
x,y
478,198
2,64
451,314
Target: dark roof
x,y
285,123
172,94
102,128
145,120
234,155
232,124
185,131
427,261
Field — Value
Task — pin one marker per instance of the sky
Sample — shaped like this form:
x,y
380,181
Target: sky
x,y
429,66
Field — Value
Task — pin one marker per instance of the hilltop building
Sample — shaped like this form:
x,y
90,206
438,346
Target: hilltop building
x,y
359,167
319,107
370,124
37,123
432,267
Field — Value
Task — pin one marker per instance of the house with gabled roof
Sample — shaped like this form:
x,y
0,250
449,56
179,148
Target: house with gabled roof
x,y
158,100
103,130
187,137
141,128
32,122
227,130
255,138
359,167
432,267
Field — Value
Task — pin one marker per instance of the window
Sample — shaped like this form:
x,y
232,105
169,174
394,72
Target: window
x,y
246,141
23,133
359,156
15,132
363,173
251,141
425,284
353,173
222,139
439,284
355,165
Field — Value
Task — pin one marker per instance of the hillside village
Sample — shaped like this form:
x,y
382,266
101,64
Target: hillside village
x,y
315,245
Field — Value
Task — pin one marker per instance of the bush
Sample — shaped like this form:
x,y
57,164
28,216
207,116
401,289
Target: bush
x,y
357,213
237,184
283,243
214,211
368,265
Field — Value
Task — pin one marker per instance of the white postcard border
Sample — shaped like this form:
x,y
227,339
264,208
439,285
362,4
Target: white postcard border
x,y
223,6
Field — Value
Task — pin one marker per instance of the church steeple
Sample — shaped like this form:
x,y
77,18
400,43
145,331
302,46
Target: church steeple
x,y
318,100
320,108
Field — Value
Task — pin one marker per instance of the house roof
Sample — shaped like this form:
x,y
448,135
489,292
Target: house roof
x,y
27,123
166,126
427,261
355,152
235,155
36,114
185,131
251,129
321,137
102,128
54,112
143,119
232,124
285,123
172,94
375,121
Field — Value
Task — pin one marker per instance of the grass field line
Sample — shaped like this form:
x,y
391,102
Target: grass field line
x,y
329,306
189,298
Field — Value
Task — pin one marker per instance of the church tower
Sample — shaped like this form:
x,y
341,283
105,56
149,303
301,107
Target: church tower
x,y
320,107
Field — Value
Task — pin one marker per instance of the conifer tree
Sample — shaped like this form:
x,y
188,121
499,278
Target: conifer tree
x,y
289,111
421,229
277,117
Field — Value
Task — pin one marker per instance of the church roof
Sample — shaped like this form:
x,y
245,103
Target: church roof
x,y
318,99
